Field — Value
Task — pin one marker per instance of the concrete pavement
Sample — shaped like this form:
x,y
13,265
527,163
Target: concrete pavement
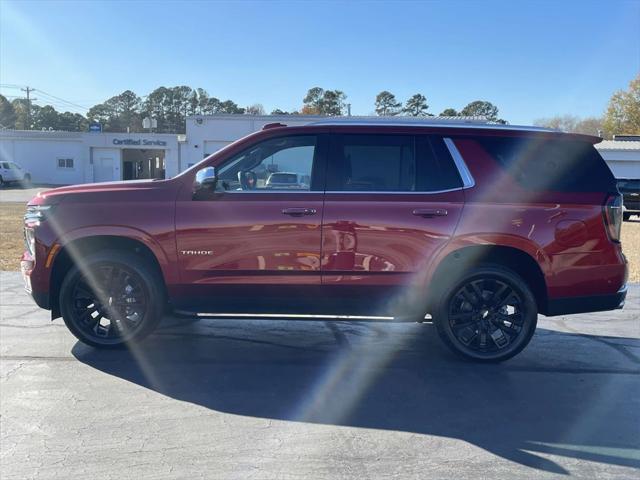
x,y
291,399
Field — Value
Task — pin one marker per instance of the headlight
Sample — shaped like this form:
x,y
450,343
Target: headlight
x,y
36,213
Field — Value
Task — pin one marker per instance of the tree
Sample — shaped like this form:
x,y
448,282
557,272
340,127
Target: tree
x,y
21,109
623,113
72,122
313,101
333,102
449,112
277,111
590,126
7,113
416,106
230,107
119,113
255,109
571,123
323,102
44,118
386,104
481,108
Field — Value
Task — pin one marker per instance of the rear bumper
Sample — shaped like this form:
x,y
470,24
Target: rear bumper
x,y
592,303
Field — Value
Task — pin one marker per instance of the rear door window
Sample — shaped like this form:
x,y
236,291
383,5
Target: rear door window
x,y
390,163
543,164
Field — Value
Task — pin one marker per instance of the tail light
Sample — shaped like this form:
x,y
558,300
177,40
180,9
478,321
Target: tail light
x,y
612,213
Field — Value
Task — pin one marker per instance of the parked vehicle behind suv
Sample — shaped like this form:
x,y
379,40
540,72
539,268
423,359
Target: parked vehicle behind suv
x,y
630,190
11,172
480,226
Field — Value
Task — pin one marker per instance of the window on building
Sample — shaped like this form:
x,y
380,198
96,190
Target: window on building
x,y
65,163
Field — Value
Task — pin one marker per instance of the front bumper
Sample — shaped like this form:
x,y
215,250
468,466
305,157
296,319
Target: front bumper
x,y
27,265
592,303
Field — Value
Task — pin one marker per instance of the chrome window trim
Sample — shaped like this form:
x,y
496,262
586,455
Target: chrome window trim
x,y
390,192
267,190
467,179
349,192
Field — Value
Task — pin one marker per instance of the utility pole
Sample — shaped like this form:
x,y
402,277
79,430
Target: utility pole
x,y
29,99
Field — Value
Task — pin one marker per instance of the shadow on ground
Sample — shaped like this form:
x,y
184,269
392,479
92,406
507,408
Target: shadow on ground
x,y
399,378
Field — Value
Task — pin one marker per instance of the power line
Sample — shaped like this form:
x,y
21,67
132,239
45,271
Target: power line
x,y
62,100
28,90
46,94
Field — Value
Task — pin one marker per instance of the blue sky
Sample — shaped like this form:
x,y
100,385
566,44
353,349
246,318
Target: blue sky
x,y
531,59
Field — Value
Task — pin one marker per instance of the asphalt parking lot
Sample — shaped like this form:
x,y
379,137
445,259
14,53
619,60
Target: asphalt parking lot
x,y
275,399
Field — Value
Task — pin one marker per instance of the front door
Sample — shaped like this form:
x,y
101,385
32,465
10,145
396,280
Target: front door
x,y
392,202
254,236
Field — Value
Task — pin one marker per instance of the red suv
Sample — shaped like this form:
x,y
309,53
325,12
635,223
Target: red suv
x,y
480,226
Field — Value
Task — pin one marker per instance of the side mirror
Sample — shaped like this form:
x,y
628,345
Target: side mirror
x,y
205,182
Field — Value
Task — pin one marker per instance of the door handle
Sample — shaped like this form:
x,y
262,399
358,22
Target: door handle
x,y
298,212
430,212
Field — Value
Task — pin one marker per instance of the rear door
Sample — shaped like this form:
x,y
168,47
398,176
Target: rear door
x,y
392,202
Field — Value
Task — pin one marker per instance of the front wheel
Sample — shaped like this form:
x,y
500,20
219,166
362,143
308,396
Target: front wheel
x,y
487,315
111,299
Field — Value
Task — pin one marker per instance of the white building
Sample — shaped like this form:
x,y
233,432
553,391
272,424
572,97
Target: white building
x,y
207,134
60,158
622,154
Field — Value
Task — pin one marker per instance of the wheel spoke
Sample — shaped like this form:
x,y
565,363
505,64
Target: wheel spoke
x,y
115,304
486,315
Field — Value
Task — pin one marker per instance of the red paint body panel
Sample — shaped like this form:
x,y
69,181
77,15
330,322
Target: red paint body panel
x,y
375,239
251,240
352,240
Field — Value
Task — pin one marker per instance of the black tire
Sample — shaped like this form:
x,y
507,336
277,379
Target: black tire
x,y
626,216
488,314
112,299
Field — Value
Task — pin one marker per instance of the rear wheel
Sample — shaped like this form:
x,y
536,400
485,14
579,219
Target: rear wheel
x,y
111,299
487,315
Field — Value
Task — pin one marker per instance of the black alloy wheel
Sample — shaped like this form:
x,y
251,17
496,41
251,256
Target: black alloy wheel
x,y
109,302
489,315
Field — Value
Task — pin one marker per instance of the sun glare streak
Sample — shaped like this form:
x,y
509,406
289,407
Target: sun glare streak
x,y
347,378
137,351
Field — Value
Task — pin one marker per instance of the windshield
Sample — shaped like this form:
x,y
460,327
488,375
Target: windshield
x,y
629,185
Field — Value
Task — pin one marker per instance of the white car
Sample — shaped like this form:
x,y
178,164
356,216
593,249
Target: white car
x,y
286,180
12,172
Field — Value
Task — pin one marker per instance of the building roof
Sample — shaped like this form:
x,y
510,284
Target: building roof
x,y
619,145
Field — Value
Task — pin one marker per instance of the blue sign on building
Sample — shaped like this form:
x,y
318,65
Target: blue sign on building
x,y
95,127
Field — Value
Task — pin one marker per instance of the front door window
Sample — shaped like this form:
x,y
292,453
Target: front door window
x,y
278,164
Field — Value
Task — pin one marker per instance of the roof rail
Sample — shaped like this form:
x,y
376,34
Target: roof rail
x,y
273,125
449,122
